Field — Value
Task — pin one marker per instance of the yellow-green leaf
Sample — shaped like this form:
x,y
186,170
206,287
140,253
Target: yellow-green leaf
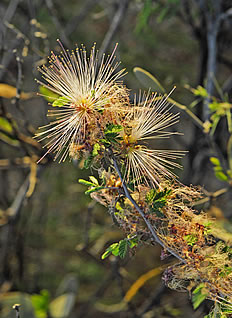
x,y
215,161
221,176
49,95
61,101
94,180
200,91
5,125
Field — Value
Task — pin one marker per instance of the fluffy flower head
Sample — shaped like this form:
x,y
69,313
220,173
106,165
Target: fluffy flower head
x,y
150,117
86,86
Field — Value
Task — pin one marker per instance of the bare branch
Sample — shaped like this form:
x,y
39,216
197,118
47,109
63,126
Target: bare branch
x,y
120,13
213,20
78,19
59,27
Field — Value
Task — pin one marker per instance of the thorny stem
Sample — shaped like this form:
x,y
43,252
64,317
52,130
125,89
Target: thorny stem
x,y
127,194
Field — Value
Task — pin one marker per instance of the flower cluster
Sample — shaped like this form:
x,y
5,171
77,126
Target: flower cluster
x,y
95,122
93,112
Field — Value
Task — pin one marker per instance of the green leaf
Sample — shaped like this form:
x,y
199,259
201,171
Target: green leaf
x,y
221,176
105,142
191,239
215,120
5,125
96,149
41,303
106,254
143,16
61,101
112,133
200,91
85,182
113,248
111,128
122,248
215,161
229,120
198,299
229,151
88,162
133,242
164,12
49,95
148,80
199,295
94,180
95,189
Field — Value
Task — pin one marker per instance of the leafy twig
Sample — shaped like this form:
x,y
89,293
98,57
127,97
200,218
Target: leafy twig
x,y
150,227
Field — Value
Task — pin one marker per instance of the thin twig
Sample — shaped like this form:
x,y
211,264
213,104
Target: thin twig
x,y
19,78
184,108
120,13
150,227
78,19
60,29
213,19
211,195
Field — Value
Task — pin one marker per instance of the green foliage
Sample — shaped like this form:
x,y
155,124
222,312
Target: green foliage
x,y
133,242
88,162
40,302
200,91
219,110
93,184
163,10
49,95
191,239
226,271
220,310
157,200
94,180
6,132
112,249
85,182
199,295
112,134
61,101
120,249
144,15
5,125
95,189
96,149
218,170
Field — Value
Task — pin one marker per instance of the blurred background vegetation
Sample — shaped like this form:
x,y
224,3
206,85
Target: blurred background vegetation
x,y
52,235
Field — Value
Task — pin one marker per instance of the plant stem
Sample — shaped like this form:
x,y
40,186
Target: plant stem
x,y
150,227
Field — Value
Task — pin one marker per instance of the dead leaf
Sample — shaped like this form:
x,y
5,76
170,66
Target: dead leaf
x,y
8,91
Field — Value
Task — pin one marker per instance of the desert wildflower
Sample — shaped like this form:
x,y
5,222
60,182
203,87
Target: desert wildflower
x,y
86,87
149,118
